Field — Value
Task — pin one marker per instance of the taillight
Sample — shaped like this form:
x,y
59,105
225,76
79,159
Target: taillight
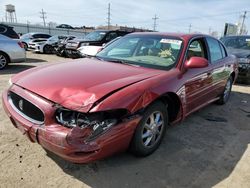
x,y
20,44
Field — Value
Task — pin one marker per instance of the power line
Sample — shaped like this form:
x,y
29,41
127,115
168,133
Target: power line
x,y
43,17
154,26
243,21
108,16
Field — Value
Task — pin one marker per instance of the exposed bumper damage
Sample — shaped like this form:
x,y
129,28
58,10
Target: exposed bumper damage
x,y
80,142
244,73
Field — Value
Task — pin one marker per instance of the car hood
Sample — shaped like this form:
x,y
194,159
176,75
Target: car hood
x,y
82,41
79,84
240,53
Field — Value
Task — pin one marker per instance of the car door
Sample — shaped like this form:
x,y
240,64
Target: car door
x,y
219,69
197,80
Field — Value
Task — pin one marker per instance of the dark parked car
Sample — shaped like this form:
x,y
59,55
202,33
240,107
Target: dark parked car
x,y
123,98
28,38
65,26
96,38
240,47
8,31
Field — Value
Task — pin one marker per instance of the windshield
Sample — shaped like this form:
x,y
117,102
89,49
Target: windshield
x,y
95,36
159,52
53,38
25,36
238,43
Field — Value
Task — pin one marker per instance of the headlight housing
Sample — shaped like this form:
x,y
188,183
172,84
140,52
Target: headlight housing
x,y
95,123
84,44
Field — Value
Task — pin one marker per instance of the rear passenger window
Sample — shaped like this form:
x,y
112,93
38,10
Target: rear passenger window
x,y
223,51
215,50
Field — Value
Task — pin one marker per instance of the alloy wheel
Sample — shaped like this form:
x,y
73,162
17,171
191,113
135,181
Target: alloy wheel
x,y
152,129
3,61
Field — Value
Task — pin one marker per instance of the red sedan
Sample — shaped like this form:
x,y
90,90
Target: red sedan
x,y
123,98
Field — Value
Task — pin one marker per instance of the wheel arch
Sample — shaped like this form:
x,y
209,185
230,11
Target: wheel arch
x,y
174,104
7,55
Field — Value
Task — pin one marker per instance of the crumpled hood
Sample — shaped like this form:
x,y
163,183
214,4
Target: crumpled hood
x,y
77,85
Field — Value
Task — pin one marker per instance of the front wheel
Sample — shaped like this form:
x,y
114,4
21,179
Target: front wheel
x,y
227,91
150,131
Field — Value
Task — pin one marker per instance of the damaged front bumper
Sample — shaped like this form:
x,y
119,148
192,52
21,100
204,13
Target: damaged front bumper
x,y
244,73
69,143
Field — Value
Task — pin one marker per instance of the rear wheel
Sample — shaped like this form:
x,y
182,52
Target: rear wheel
x,y
150,131
227,91
4,60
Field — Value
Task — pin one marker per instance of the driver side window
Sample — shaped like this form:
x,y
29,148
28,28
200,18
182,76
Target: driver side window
x,y
197,49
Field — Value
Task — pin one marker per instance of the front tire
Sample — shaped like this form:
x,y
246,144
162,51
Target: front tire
x,y
4,60
47,49
226,92
151,130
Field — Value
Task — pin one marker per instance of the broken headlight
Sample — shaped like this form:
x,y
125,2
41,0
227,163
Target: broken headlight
x,y
97,122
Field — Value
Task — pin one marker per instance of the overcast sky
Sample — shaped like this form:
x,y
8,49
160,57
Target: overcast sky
x,y
174,16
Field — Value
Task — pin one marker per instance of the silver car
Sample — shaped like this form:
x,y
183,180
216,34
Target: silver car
x,y
11,51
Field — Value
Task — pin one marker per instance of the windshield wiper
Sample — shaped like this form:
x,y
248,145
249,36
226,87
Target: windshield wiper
x,y
122,62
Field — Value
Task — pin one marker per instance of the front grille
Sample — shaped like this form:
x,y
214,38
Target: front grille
x,y
26,108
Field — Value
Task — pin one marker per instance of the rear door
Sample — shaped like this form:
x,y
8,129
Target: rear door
x,y
220,70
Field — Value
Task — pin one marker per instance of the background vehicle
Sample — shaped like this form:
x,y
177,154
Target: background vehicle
x,y
49,46
93,50
65,26
60,49
240,47
33,37
96,38
8,31
124,97
11,51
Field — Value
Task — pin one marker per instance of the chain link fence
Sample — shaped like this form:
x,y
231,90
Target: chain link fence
x,y
27,28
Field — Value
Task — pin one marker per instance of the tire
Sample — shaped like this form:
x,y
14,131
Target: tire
x,y
25,46
4,60
148,135
226,92
47,49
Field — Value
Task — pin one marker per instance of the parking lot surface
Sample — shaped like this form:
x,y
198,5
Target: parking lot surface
x,y
211,148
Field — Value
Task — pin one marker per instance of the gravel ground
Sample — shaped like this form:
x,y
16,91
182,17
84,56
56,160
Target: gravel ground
x,y
209,149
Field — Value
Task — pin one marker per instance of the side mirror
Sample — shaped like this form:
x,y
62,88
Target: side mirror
x,y
196,62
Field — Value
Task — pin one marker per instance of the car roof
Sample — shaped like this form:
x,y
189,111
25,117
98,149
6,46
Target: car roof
x,y
185,36
233,36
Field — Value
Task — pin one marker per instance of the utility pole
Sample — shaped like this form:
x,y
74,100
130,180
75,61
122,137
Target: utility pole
x,y
43,17
243,21
189,28
209,30
155,19
108,16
